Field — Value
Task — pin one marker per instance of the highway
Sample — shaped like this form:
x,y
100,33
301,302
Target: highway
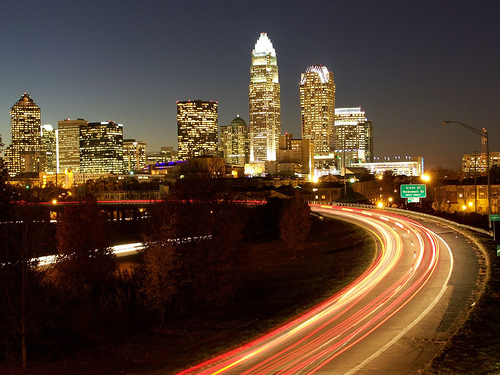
x,y
364,328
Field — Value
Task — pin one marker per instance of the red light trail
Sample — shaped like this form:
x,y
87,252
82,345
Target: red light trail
x,y
406,260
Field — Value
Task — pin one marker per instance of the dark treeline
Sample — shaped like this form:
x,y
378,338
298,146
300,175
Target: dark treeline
x,y
194,248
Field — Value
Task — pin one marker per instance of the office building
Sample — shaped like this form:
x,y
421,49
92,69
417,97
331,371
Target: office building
x,y
234,142
49,145
476,164
399,166
167,154
25,153
134,155
317,108
197,132
294,156
101,148
353,137
264,102
68,144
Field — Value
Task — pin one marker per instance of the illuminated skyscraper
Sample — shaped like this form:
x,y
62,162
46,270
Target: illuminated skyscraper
x,y
264,102
68,144
134,154
196,128
317,108
101,148
25,153
353,136
49,139
234,141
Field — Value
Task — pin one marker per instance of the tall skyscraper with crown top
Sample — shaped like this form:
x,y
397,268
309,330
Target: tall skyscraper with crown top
x,y
264,102
317,108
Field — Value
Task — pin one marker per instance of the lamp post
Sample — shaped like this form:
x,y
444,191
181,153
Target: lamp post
x,y
483,133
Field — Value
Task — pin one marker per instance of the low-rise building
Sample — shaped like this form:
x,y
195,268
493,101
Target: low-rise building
x,y
468,198
407,166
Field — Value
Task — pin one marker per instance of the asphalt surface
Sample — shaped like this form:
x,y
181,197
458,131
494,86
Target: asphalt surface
x,y
412,352
392,320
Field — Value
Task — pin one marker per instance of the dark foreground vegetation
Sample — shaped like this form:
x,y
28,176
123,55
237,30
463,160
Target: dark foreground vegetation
x,y
212,274
226,277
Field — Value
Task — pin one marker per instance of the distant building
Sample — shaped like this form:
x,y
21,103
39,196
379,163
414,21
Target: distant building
x,y
353,136
169,153
110,189
317,108
166,154
234,142
134,155
49,147
197,128
466,198
101,148
476,164
68,144
294,156
323,191
25,153
203,166
264,102
407,166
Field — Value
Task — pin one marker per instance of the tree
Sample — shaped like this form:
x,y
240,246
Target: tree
x,y
439,174
158,267
198,265
24,293
86,264
5,191
203,189
295,224
264,220
208,265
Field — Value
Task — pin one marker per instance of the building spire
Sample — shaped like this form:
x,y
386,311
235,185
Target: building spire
x,y
264,46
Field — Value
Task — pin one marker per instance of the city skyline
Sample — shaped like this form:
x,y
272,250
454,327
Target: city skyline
x,y
409,66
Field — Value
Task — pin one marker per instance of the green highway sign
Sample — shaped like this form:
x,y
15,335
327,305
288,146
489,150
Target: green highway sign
x,y
495,217
413,200
498,250
413,191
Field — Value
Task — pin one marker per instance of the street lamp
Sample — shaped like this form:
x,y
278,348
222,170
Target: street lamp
x,y
483,133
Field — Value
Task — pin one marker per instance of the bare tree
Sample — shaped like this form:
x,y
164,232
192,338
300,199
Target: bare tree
x,y
4,188
158,267
24,296
86,263
295,224
209,263
198,265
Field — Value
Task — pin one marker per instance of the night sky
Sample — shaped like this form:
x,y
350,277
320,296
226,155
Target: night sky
x,y
408,64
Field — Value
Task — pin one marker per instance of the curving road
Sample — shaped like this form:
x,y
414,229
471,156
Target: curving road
x,y
361,329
